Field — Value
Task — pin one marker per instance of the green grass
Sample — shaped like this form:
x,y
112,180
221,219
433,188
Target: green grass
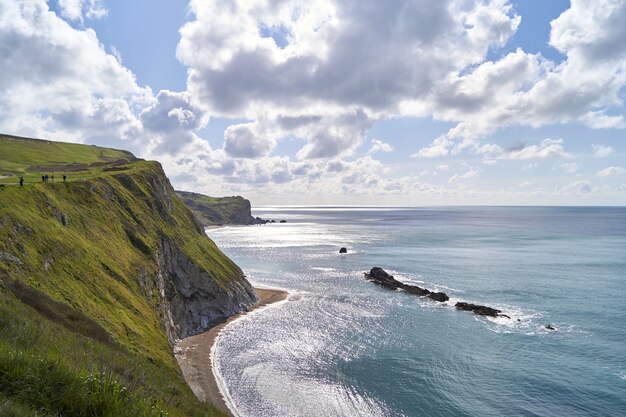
x,y
217,210
80,326
48,370
32,158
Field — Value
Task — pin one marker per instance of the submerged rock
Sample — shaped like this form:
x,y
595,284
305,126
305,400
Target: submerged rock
x,y
343,250
379,276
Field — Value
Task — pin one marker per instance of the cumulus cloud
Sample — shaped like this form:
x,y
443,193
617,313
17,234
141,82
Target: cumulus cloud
x,y
323,71
547,148
469,174
77,10
526,89
248,140
577,187
171,121
325,58
610,171
602,151
72,89
379,146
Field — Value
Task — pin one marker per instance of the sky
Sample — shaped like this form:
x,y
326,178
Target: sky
x,y
402,102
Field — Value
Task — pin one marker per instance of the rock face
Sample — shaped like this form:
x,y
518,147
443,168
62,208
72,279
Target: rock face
x,y
480,310
192,300
381,277
343,250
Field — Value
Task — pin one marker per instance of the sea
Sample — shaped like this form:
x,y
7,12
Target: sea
x,y
342,346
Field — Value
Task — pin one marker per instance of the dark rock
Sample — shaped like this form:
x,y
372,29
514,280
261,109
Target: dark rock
x,y
381,277
272,221
283,221
258,220
20,228
343,250
478,309
549,327
414,289
439,296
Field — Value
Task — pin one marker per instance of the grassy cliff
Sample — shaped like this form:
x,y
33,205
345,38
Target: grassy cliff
x,y
218,210
96,277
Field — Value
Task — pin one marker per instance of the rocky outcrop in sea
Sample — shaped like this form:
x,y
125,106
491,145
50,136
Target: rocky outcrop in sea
x,y
380,277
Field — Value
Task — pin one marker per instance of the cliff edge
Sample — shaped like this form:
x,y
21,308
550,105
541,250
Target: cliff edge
x,y
220,210
114,248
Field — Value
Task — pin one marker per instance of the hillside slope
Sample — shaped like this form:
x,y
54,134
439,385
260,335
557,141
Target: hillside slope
x,y
113,261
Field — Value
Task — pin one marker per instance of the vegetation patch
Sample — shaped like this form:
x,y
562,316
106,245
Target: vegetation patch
x,y
81,319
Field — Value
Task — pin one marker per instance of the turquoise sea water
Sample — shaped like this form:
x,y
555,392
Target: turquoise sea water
x,y
342,346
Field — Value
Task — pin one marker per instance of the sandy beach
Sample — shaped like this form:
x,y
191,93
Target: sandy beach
x,y
194,353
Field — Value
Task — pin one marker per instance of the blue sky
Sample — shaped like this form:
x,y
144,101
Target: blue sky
x,y
410,102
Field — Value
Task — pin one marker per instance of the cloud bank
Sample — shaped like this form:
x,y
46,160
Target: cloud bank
x,y
319,73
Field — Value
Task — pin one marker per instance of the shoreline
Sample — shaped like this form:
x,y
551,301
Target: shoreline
x,y
193,353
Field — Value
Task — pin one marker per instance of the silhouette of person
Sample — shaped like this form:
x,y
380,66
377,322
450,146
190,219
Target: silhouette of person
x,y
64,178
21,181
43,178
52,177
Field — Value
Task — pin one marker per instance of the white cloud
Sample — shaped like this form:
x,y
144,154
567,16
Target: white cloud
x,y
328,59
568,167
440,147
529,167
323,71
73,90
600,120
380,146
526,89
610,171
602,151
248,140
469,174
577,187
73,9
547,148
